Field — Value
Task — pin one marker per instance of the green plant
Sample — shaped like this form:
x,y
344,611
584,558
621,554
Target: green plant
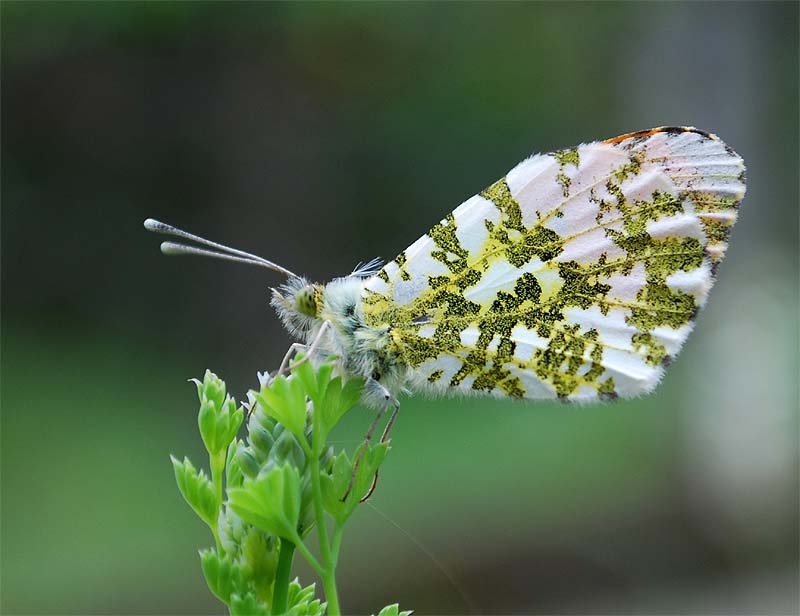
x,y
267,492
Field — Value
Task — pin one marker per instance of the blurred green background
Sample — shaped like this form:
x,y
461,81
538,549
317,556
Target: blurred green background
x,y
320,135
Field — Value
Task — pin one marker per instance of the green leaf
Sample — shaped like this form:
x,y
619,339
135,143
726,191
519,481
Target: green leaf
x,y
352,392
301,601
308,377
207,422
230,421
394,610
370,462
261,439
270,502
196,490
334,486
287,449
247,605
231,532
285,401
298,595
223,577
260,552
247,462
233,470
331,399
339,398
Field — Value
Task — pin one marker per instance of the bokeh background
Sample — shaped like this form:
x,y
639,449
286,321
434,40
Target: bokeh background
x,y
320,135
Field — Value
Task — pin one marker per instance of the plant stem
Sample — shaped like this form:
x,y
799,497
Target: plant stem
x,y
328,574
319,513
217,471
217,463
280,593
319,510
337,543
310,559
331,595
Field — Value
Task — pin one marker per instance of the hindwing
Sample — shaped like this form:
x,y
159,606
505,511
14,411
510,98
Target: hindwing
x,y
577,275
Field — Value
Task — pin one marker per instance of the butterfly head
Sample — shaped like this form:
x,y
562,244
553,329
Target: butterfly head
x,y
298,303
305,300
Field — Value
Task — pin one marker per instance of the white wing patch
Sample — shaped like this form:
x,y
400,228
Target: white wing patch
x,y
576,276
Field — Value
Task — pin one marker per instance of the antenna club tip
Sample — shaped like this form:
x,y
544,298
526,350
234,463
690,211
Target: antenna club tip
x,y
151,224
169,248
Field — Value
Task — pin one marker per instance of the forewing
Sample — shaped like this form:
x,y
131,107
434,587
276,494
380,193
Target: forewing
x,y
578,275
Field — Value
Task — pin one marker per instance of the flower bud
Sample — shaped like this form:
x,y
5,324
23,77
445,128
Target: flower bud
x,y
247,461
219,421
261,440
288,449
207,422
212,388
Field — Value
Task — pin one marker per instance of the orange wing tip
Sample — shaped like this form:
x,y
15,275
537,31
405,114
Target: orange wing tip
x,y
661,129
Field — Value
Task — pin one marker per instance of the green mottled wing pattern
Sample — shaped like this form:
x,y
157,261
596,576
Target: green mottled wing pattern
x,y
576,276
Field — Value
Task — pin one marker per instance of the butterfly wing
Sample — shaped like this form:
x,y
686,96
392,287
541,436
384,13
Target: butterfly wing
x,y
578,275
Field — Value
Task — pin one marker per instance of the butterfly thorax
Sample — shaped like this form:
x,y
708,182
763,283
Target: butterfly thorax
x,y
365,350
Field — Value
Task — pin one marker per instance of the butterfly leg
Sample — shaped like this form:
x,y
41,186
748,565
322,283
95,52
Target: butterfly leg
x,y
387,396
293,349
368,438
384,438
362,449
310,350
297,347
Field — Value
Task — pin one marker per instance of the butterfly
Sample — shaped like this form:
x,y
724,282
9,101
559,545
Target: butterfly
x,y
577,277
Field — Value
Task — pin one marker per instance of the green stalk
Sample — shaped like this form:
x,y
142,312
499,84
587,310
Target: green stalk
x,y
217,463
328,573
337,543
331,596
310,558
280,593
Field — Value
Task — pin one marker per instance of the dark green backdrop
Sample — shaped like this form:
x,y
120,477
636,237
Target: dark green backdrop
x,y
320,135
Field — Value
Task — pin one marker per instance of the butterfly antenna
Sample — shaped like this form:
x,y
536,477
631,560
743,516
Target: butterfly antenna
x,y
221,251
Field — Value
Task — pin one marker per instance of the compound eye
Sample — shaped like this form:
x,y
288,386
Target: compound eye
x,y
306,301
